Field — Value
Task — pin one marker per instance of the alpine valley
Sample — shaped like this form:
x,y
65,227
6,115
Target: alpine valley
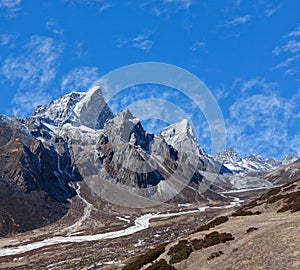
x,y
83,188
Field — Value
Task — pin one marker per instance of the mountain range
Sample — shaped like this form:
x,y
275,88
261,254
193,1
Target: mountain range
x,y
74,175
77,138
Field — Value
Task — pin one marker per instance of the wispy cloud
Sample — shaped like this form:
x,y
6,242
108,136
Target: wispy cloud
x,y
9,8
238,20
80,48
104,6
289,52
256,84
52,26
271,10
287,62
183,4
295,144
86,2
292,46
99,5
260,122
8,40
163,7
220,93
197,46
295,33
32,71
141,42
79,79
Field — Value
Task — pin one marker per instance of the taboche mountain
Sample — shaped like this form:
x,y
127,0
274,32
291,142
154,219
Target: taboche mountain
x,y
43,157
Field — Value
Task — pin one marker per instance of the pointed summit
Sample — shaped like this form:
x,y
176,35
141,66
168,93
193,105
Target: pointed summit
x,y
92,110
182,138
178,132
88,109
128,128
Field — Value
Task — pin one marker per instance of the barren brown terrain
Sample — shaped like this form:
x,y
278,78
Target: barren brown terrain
x,y
263,234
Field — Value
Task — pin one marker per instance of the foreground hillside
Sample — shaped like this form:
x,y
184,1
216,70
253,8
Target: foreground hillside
x,y
264,234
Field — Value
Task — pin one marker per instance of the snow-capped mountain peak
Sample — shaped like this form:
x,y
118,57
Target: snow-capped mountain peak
x,y
61,110
290,158
182,138
177,133
250,164
77,108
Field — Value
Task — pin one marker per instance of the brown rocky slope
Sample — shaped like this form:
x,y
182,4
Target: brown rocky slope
x,y
264,234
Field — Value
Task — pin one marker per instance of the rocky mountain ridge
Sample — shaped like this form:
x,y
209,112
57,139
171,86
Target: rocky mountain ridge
x,y
251,164
77,137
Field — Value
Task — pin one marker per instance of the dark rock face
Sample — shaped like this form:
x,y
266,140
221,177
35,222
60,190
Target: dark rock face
x,y
35,175
21,211
35,164
132,157
125,147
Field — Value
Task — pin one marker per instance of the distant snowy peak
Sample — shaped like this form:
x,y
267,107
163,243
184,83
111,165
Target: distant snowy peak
x,y
250,164
230,156
88,109
180,136
289,159
178,132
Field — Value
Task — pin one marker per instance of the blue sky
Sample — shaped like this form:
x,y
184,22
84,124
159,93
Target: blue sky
x,y
246,52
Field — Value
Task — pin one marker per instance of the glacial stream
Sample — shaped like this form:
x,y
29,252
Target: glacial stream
x,y
141,223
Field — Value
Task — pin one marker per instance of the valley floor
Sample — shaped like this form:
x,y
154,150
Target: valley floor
x,y
49,248
114,252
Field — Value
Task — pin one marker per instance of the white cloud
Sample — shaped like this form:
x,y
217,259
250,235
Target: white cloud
x,y
256,125
182,4
104,7
86,2
220,93
198,45
238,20
286,63
270,11
32,72
99,5
277,51
8,40
261,123
295,33
290,50
52,26
256,83
10,7
26,100
295,144
141,42
80,49
79,79
292,46
162,7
